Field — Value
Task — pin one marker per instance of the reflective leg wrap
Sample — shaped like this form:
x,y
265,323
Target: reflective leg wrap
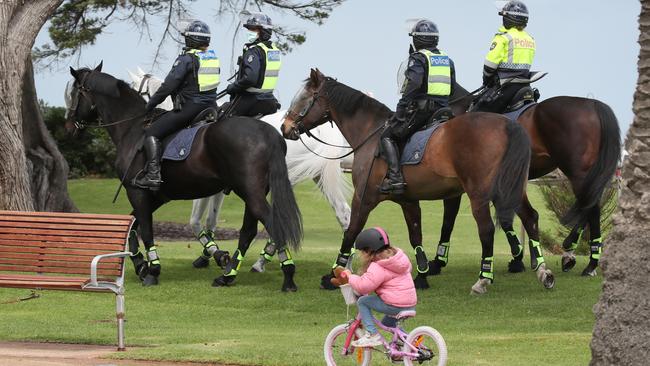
x,y
269,251
486,268
235,262
442,254
342,260
133,242
574,244
536,255
516,249
206,238
596,248
154,261
421,260
284,256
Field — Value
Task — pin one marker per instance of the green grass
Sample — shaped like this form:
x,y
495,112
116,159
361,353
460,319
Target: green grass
x,y
517,322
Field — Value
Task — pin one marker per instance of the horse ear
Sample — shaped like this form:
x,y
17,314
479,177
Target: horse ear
x,y
73,72
99,67
134,77
315,78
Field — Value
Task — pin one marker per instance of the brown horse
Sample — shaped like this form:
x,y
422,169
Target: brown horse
x,y
579,136
483,154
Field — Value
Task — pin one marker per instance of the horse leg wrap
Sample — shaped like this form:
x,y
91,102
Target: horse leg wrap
x,y
342,260
140,264
284,256
421,260
571,243
536,255
442,254
596,248
486,268
154,261
233,266
516,249
268,251
133,242
206,238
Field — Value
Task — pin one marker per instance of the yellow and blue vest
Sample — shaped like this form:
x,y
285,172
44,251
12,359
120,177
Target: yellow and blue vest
x,y
439,78
209,74
273,63
511,54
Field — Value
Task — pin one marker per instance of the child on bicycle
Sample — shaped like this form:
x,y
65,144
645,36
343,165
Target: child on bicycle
x,y
386,270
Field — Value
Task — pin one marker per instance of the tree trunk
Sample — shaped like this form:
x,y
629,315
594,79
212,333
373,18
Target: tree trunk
x,y
20,22
47,169
622,331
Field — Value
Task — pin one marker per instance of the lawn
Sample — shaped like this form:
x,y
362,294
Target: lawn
x,y
253,323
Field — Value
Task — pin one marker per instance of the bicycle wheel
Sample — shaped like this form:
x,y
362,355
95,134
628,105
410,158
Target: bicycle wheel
x,y
334,344
431,347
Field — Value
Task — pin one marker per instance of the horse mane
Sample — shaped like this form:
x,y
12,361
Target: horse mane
x,y
110,86
349,101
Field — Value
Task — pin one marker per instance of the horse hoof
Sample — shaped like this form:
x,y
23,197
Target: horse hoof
x,y
481,286
516,266
258,267
568,261
222,258
421,282
201,262
289,287
150,280
435,267
545,277
223,281
589,271
325,283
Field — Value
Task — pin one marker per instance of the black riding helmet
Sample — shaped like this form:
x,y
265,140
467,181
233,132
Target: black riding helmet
x,y
515,14
372,240
260,22
425,34
197,34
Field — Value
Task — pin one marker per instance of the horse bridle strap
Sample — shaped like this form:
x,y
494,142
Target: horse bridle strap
x,y
355,149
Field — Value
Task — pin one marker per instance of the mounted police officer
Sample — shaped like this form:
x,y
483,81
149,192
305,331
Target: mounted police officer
x,y
429,79
259,67
192,83
507,65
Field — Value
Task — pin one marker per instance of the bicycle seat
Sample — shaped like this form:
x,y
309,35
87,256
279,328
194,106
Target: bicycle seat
x,y
405,314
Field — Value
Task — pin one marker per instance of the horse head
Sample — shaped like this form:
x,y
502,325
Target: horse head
x,y
309,108
79,102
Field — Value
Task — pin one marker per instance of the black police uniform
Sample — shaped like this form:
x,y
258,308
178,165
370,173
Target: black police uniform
x,y
252,66
182,84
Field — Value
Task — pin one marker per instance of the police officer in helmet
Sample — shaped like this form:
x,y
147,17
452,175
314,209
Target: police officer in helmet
x,y
429,80
507,65
259,67
192,83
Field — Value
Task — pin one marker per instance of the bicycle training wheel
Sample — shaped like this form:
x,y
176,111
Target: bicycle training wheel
x,y
430,346
334,344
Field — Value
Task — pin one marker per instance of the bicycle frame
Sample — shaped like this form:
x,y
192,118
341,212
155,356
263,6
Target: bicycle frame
x,y
391,348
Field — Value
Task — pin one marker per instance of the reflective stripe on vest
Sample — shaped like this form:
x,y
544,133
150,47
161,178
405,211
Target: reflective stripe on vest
x,y
209,73
273,64
439,81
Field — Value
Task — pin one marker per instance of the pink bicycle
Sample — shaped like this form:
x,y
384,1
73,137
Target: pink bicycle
x,y
422,345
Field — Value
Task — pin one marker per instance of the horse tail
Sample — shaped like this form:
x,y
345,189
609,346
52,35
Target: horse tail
x,y
509,184
286,220
602,171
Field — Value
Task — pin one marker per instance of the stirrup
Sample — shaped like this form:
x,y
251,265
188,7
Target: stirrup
x,y
387,186
155,185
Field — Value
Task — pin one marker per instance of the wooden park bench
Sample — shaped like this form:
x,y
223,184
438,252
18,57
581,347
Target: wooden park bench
x,y
64,251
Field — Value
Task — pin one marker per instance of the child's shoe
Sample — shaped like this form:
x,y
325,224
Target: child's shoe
x,y
368,340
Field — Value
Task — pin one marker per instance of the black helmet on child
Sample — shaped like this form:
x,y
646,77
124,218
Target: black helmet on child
x,y
425,34
372,240
261,22
515,14
197,34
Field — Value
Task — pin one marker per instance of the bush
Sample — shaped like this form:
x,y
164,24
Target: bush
x,y
558,198
89,152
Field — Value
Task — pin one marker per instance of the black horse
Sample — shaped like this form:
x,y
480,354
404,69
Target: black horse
x,y
239,154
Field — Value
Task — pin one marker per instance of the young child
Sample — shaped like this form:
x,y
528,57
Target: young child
x,y
386,271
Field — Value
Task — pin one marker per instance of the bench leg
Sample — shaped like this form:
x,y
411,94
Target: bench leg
x,y
120,311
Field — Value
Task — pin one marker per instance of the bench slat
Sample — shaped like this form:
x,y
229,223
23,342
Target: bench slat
x,y
58,226
86,271
66,214
59,251
52,238
46,257
11,245
65,220
64,233
60,264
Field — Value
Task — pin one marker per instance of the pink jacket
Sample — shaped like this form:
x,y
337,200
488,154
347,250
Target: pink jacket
x,y
390,279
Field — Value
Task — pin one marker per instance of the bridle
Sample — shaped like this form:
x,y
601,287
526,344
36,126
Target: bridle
x,y
145,79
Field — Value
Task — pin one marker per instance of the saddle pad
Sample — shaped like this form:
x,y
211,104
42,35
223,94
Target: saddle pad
x,y
414,148
514,115
177,147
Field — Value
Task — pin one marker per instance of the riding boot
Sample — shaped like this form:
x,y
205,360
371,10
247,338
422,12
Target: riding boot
x,y
151,179
394,183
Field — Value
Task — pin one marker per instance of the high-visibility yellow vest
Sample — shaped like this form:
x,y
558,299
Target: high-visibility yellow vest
x,y
439,81
511,53
209,74
272,71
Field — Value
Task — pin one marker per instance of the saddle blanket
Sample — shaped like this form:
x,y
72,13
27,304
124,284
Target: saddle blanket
x,y
514,115
414,148
177,147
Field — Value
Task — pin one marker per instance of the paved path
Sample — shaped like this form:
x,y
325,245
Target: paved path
x,y
55,354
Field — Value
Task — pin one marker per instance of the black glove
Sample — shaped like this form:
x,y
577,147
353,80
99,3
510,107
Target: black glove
x,y
232,89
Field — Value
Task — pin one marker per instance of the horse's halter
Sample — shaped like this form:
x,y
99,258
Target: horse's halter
x,y
143,82
299,118
81,90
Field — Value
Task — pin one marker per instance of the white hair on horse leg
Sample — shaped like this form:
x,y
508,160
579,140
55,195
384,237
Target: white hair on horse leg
x,y
213,211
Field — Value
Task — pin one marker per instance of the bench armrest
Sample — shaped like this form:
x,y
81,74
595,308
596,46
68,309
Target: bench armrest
x,y
95,262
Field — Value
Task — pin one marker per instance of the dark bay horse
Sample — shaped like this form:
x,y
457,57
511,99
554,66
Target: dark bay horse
x,y
581,137
483,154
240,154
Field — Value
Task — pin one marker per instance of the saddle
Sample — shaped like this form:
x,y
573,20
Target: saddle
x,y
524,96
